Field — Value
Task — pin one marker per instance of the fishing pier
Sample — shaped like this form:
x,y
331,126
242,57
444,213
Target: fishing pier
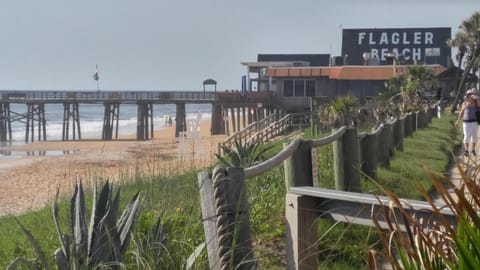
x,y
229,110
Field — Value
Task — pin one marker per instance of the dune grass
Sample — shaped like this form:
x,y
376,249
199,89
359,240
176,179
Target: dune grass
x,y
176,200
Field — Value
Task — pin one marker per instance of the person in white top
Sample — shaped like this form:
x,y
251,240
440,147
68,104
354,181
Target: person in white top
x,y
468,115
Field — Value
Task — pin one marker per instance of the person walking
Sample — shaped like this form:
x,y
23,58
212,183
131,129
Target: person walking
x,y
468,115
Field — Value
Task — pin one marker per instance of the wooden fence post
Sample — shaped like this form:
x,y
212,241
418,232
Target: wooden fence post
x,y
398,129
400,133
209,219
424,118
369,150
390,145
346,158
232,209
382,142
408,124
301,232
414,121
298,167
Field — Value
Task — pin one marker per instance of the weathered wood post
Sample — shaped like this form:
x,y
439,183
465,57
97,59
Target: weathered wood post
x,y
234,243
382,142
408,125
298,167
301,232
414,122
421,119
400,133
209,219
389,136
369,150
346,160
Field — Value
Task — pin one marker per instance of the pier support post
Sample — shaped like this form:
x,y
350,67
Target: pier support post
x,y
244,116
5,122
234,126
145,113
70,111
180,119
110,120
218,125
36,112
226,121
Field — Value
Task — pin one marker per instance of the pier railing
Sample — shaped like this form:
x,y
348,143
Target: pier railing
x,y
270,127
247,132
286,125
106,96
353,153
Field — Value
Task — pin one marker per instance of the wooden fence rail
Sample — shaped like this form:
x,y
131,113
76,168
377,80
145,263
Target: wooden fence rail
x,y
353,154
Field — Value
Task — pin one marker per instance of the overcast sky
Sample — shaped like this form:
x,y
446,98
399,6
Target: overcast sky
x,y
175,45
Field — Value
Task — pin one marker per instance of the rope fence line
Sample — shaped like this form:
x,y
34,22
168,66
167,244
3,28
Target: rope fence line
x,y
351,152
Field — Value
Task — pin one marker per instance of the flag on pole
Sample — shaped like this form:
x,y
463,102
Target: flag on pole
x,y
95,76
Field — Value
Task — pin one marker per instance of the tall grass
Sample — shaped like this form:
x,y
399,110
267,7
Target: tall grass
x,y
173,196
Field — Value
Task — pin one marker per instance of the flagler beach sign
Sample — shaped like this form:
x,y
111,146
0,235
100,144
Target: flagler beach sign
x,y
409,45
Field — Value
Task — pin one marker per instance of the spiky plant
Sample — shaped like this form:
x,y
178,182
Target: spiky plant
x,y
443,245
344,108
103,242
243,155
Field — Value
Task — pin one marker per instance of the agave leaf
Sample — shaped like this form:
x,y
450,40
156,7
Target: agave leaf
x,y
91,229
224,161
65,247
35,245
101,251
99,211
127,221
103,203
114,236
61,260
113,211
79,224
100,248
15,263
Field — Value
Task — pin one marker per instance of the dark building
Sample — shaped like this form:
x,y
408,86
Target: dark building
x,y
407,45
370,57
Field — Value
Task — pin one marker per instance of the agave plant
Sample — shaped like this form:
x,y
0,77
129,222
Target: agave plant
x,y
103,242
244,154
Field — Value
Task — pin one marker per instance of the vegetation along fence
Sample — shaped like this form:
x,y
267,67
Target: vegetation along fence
x,y
224,201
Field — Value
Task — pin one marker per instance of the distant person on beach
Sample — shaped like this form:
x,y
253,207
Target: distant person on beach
x,y
468,114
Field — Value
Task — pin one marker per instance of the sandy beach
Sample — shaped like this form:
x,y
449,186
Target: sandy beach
x,y
30,182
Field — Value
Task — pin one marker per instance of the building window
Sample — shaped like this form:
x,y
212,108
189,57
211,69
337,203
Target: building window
x,y
299,88
288,88
310,88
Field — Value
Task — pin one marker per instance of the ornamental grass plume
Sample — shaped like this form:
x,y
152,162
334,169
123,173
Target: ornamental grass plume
x,y
435,243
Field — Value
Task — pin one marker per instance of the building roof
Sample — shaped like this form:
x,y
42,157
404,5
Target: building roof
x,y
267,64
345,72
315,60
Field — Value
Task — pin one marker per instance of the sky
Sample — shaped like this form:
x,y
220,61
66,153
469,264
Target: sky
x,y
176,45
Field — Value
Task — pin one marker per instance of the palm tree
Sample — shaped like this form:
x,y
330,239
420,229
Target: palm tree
x,y
467,40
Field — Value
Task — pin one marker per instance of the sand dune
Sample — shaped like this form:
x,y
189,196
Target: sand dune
x,y
30,182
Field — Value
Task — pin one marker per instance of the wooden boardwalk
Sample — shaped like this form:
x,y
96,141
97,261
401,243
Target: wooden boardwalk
x,y
122,97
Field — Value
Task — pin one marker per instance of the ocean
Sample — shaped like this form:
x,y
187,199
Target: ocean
x,y
91,120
